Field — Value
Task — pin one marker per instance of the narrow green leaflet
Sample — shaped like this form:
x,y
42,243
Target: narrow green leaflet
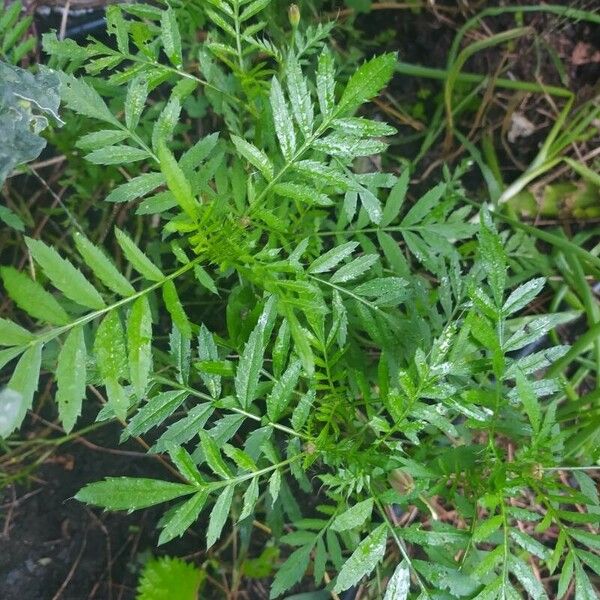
x,y
302,193
355,516
527,578
185,464
116,155
128,493
212,454
185,429
99,139
155,411
71,378
370,202
359,266
84,99
111,357
164,126
300,100
136,188
274,486
250,498
102,266
139,345
141,263
175,309
395,199
12,334
282,391
523,295
183,517
330,259
424,205
207,351
176,181
530,402
33,298
494,260
367,82
219,515
64,276
254,156
291,571
137,93
326,83
171,39
17,397
249,366
363,560
284,127
399,585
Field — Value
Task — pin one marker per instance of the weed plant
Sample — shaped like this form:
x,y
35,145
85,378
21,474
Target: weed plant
x,y
312,351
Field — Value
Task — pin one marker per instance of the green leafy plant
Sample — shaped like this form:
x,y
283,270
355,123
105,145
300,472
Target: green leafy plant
x,y
356,347
165,578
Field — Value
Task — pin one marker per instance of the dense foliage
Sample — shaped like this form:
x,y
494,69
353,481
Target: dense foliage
x,y
287,325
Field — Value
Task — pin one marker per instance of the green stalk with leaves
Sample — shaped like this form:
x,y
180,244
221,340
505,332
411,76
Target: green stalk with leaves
x,y
359,349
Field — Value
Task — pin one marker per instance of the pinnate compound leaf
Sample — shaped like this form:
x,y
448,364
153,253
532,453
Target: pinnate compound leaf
x,y
140,262
102,266
218,515
12,334
367,82
399,585
183,517
17,397
291,571
355,516
33,298
71,378
363,560
284,127
254,156
64,276
131,493
330,259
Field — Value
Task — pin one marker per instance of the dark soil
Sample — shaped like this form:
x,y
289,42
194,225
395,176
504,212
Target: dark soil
x,y
53,547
